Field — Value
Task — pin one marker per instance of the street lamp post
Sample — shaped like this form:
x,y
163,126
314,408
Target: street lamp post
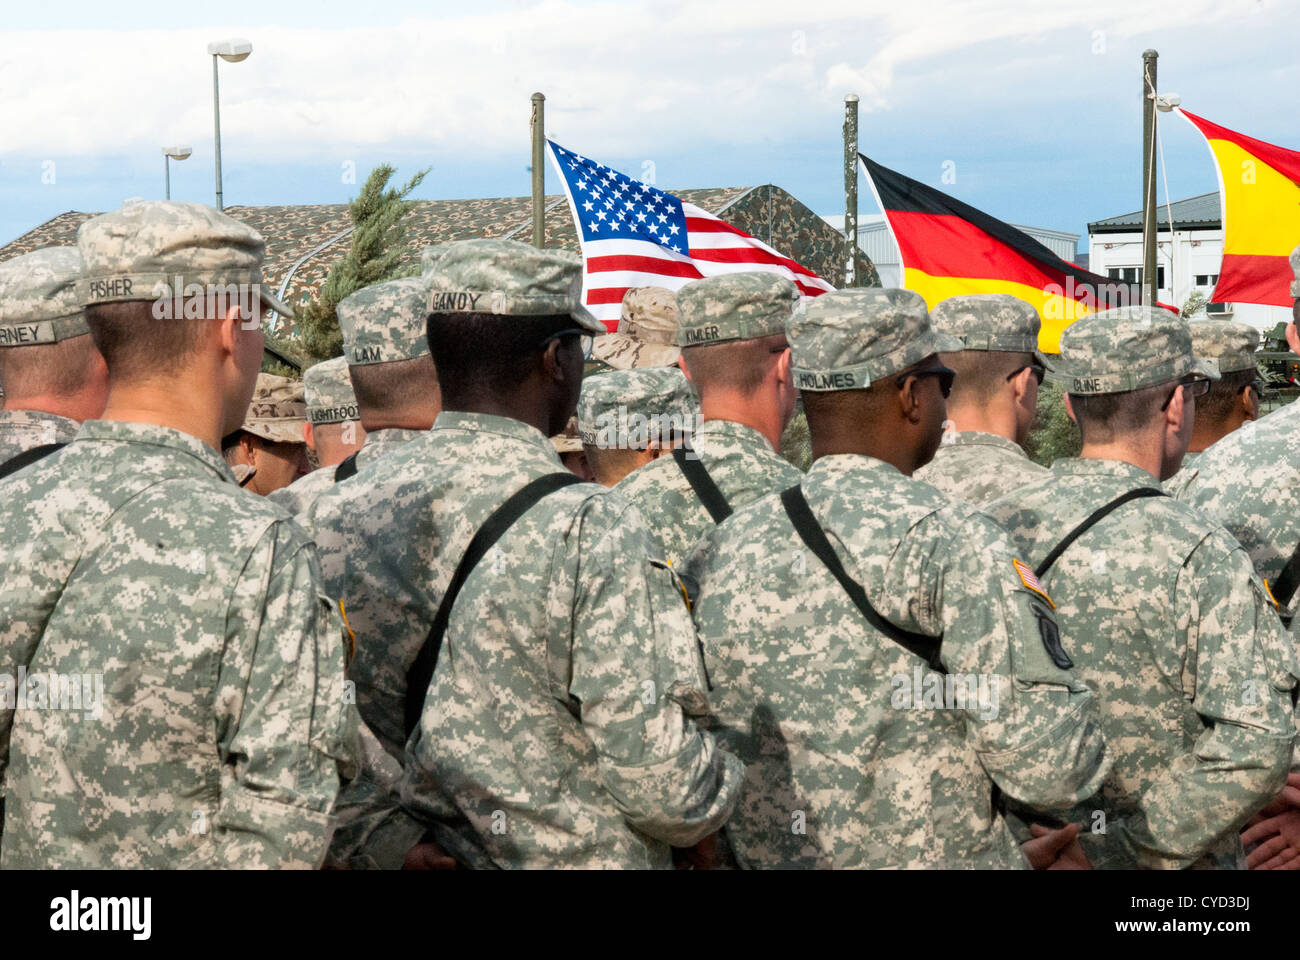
x,y
232,51
170,154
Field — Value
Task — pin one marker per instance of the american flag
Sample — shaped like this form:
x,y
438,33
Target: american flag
x,y
634,235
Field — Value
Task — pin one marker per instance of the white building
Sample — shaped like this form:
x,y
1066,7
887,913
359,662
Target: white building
x,y
877,243
1187,260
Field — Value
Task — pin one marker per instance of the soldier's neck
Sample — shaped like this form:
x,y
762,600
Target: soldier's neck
x,y
1145,456
187,409
751,411
984,419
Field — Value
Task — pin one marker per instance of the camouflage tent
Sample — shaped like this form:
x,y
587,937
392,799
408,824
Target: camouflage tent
x,y
303,241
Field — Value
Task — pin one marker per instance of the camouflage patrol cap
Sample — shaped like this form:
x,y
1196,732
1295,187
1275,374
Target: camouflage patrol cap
x,y
39,302
385,322
511,279
990,321
848,339
1229,344
327,387
1295,271
430,256
734,306
647,331
277,410
1127,348
618,403
168,250
568,441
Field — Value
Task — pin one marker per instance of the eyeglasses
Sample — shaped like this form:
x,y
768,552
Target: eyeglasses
x,y
945,375
1195,388
1256,385
1035,367
585,342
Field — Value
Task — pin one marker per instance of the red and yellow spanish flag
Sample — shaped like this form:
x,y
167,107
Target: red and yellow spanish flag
x,y
950,249
1259,186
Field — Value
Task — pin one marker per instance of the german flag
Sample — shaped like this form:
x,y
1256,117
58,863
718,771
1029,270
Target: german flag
x,y
1259,186
949,249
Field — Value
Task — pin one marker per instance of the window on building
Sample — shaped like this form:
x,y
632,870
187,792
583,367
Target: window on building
x,y
1218,308
1134,275
1206,279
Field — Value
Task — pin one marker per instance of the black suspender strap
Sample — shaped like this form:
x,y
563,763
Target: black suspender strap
x,y
810,531
1092,519
503,518
347,467
28,457
1284,586
703,485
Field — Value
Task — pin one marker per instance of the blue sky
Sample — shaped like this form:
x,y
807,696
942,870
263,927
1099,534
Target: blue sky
x,y
1036,105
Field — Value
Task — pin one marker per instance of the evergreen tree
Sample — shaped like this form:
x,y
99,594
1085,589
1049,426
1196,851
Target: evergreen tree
x,y
372,258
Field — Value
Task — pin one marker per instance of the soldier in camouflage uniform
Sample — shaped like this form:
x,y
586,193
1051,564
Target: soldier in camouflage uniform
x,y
1250,481
333,431
53,375
647,332
994,397
546,738
270,440
854,756
131,558
1232,401
627,418
734,350
1161,612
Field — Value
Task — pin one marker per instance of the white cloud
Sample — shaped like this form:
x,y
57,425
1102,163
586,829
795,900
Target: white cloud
x,y
626,77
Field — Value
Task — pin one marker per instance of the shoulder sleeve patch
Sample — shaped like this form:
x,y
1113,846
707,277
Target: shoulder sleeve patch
x,y
1030,581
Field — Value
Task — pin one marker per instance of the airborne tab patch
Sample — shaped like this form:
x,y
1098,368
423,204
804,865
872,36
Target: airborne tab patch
x,y
1030,581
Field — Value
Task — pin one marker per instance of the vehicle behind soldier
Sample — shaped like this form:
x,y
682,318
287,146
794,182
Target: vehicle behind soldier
x,y
1160,610
52,375
994,397
269,443
885,702
1232,401
545,738
734,351
216,732
628,418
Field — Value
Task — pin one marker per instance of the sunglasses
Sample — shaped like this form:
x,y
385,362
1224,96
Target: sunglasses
x,y
945,375
1195,388
586,341
1039,371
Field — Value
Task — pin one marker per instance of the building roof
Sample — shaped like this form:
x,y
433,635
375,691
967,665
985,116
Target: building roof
x,y
1198,212
303,242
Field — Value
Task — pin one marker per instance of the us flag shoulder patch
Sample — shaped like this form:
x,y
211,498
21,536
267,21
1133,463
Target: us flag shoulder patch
x,y
1030,581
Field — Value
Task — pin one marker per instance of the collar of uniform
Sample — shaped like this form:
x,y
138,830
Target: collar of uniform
x,y
1093,467
836,465
490,423
157,436
978,438
390,437
734,430
64,429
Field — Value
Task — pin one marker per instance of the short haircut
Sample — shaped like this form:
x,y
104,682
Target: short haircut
x,y
739,365
485,353
53,369
981,374
396,385
135,344
616,462
1105,417
1216,405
